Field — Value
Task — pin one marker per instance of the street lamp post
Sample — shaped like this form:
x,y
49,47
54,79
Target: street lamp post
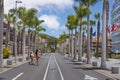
x,y
15,43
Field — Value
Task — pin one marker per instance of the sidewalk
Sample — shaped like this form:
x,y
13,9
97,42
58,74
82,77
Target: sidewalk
x,y
110,63
14,65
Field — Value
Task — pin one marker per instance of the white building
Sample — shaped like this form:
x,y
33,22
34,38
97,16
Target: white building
x,y
115,18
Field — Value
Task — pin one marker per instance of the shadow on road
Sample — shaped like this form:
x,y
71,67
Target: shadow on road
x,y
75,63
1,78
90,68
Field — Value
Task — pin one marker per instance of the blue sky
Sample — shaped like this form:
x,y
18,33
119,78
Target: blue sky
x,y
54,12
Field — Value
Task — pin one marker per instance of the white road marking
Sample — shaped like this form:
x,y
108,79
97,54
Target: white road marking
x,y
45,75
62,78
17,76
90,78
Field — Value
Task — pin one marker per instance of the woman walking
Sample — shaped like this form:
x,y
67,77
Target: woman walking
x,y
31,57
37,56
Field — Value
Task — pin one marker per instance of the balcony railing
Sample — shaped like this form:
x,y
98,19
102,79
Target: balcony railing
x,y
115,33
115,43
116,5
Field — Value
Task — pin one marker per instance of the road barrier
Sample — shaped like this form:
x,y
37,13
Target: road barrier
x,y
115,70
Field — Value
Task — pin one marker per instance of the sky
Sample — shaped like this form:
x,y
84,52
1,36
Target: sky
x,y
54,12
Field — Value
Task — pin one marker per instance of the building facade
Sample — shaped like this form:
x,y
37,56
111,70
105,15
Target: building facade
x,y
94,43
115,18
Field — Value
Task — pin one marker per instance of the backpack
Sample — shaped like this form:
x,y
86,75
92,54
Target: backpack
x,y
38,55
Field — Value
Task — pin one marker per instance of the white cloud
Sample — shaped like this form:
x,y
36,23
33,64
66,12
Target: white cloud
x,y
51,21
61,4
63,27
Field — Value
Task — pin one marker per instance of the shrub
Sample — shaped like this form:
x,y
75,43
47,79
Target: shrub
x,y
67,52
6,52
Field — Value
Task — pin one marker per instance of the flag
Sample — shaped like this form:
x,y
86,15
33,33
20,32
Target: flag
x,y
114,27
94,34
108,29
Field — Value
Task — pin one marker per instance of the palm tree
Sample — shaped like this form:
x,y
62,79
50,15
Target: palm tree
x,y
72,21
1,31
61,41
12,12
88,3
107,19
97,16
104,21
25,16
69,46
81,12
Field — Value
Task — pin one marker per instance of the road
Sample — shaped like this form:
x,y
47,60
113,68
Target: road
x,y
51,67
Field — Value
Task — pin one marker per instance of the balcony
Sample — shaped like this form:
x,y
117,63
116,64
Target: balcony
x,y
116,5
115,34
115,43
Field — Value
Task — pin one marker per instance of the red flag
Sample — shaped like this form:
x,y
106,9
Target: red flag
x,y
108,29
115,27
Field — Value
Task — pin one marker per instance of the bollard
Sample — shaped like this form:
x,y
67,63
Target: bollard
x,y
20,60
27,58
94,63
114,70
84,61
111,79
9,62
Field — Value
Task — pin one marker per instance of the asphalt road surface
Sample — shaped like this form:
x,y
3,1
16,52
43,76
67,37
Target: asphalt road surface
x,y
51,67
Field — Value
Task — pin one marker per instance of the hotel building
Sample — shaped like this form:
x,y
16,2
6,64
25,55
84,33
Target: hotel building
x,y
115,18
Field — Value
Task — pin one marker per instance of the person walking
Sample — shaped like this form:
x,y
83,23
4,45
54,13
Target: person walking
x,y
37,56
31,57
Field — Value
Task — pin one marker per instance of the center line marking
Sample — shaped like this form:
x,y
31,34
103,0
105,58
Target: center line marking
x,y
17,76
62,78
45,75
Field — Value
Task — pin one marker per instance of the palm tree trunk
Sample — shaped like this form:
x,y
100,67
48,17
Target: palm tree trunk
x,y
24,44
103,58
1,32
7,34
80,45
88,41
75,44
91,30
15,44
83,42
72,44
69,45
98,35
21,35
29,41
18,43
107,18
